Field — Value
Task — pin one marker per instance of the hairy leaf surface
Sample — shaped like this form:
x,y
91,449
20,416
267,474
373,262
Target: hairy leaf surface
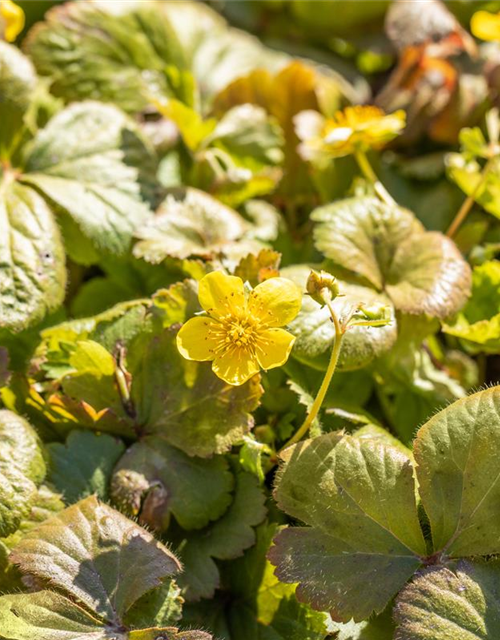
x,y
370,530
443,603
422,272
459,481
22,468
91,552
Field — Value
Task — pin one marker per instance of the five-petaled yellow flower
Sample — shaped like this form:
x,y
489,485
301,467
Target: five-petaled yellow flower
x,y
486,25
354,129
241,332
11,20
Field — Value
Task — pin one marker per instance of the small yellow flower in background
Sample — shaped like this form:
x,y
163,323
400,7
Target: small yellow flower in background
x,y
11,20
240,333
353,129
486,25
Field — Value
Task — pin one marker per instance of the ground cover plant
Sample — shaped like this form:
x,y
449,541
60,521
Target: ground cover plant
x,y
249,320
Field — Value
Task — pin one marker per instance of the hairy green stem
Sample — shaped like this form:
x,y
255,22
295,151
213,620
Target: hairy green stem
x,y
332,365
469,201
371,176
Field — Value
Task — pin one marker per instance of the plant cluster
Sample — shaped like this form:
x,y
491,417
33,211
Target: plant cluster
x,y
249,320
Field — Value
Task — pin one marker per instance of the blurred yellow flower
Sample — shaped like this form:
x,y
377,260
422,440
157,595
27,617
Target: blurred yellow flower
x,y
240,333
486,25
354,129
11,20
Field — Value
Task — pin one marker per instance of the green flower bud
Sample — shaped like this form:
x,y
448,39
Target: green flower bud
x,y
321,285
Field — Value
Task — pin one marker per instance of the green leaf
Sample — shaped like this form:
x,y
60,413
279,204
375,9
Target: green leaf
x,y
467,175
479,321
247,134
224,540
90,551
161,607
183,401
118,324
154,480
28,616
443,603
457,468
315,331
22,468
32,271
45,504
193,223
97,172
363,234
17,83
422,272
359,538
91,376
376,628
88,459
109,54
413,387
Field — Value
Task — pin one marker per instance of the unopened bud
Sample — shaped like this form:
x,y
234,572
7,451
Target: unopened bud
x,y
321,284
376,313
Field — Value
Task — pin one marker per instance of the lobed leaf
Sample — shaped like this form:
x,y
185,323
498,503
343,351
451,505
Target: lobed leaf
x,y
193,223
88,459
91,552
457,468
226,539
154,480
97,173
90,51
171,396
422,272
370,530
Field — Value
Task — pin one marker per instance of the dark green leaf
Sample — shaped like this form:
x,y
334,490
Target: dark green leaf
x,y
88,459
358,538
154,480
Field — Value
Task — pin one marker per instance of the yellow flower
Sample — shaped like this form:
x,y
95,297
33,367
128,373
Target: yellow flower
x,y
353,129
486,25
11,20
240,333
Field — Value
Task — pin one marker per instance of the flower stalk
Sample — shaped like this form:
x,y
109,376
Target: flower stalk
x,y
469,201
332,365
370,175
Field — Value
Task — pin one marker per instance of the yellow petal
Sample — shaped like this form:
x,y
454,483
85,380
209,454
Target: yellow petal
x,y
276,301
486,25
235,367
273,347
220,294
194,340
13,19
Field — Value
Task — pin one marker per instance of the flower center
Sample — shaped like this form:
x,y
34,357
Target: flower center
x,y
233,334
